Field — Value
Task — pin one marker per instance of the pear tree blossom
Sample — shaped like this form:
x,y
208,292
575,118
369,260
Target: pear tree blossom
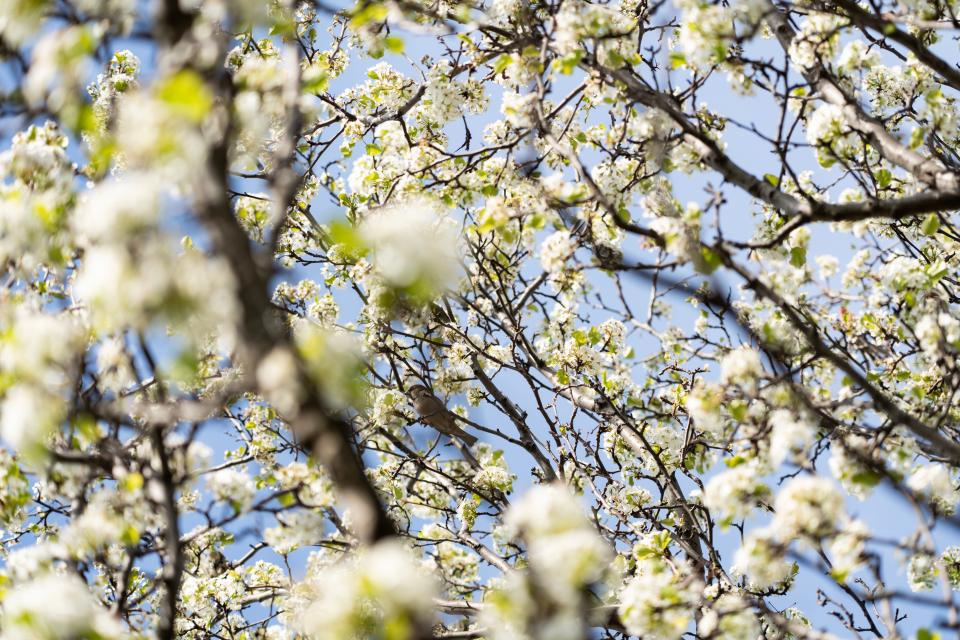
x,y
684,273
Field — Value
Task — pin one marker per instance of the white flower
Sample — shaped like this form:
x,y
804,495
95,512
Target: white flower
x,y
546,510
856,56
703,406
889,87
730,618
654,605
234,486
19,19
626,500
92,531
60,65
567,562
733,495
120,13
122,285
503,11
705,33
790,435
563,546
950,563
828,265
828,132
519,109
849,463
412,245
760,559
808,506
742,367
40,347
380,588
37,158
114,366
556,249
118,208
937,331
28,416
443,98
682,237
903,273
922,572
277,377
495,475
935,482
847,550
56,607
816,40
299,528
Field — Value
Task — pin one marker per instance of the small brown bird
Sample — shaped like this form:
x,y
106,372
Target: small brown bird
x,y
433,413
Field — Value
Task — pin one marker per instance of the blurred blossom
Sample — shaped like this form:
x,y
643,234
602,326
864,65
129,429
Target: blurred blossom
x,y
57,607
381,592
413,247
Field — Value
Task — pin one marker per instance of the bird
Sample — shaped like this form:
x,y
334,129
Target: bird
x,y
433,413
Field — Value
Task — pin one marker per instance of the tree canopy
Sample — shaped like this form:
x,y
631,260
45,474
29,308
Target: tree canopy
x,y
687,270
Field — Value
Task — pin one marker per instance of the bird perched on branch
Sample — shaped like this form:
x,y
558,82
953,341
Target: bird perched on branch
x,y
433,413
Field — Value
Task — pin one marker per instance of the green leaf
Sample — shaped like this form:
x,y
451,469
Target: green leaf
x,y
916,137
283,26
614,59
930,225
839,575
317,82
884,178
185,367
186,95
370,13
738,410
501,63
132,482
130,536
711,260
86,425
866,478
926,634
568,63
798,257
772,179
343,233
393,44
735,461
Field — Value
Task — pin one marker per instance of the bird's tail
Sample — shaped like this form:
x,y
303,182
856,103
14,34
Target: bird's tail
x,y
470,440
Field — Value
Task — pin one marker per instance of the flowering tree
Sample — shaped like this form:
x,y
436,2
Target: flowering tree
x,y
235,235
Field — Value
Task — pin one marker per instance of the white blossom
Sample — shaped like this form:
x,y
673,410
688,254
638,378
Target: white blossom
x,y
936,484
233,486
761,559
742,367
56,607
654,604
808,506
556,249
412,245
733,494
382,588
